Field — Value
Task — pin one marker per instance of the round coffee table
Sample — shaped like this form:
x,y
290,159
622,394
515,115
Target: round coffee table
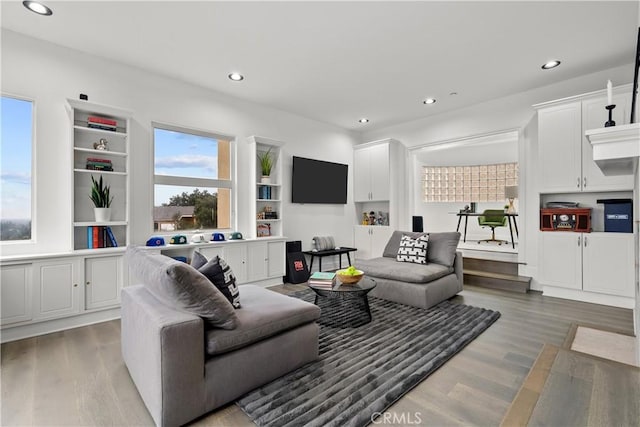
x,y
342,300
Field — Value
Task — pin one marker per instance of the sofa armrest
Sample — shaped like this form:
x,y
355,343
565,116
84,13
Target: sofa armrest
x,y
164,352
458,268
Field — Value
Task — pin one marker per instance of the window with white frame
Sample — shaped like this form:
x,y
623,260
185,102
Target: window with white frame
x,y
479,183
192,180
16,154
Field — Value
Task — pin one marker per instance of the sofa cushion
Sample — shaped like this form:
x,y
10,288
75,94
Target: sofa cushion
x,y
220,274
441,250
181,286
413,250
264,313
389,268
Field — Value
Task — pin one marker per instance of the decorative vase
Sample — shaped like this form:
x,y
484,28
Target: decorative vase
x,y
265,179
102,214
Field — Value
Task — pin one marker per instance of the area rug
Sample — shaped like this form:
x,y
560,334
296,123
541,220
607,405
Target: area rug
x,y
362,371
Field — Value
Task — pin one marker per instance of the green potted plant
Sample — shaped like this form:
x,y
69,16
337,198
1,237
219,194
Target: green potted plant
x,y
101,199
266,165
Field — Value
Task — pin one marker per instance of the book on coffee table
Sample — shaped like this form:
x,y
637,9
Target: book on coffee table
x,y
323,279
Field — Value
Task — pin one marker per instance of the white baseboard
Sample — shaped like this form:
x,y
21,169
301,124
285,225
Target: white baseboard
x,y
577,295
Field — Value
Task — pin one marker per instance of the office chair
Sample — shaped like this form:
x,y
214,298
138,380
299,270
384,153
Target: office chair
x,y
493,218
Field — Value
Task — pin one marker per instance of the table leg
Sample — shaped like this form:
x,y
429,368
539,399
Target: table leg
x,y
311,264
320,264
340,255
515,224
513,243
466,220
349,258
366,306
459,219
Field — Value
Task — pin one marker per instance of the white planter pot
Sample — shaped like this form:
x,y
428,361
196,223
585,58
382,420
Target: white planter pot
x,y
265,180
102,214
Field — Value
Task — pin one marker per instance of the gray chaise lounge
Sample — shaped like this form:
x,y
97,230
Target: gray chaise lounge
x,y
182,366
415,284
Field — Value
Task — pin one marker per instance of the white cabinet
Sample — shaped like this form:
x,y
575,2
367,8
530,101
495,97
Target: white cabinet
x,y
371,173
371,240
275,259
56,287
92,124
235,256
600,263
104,278
565,156
16,293
257,263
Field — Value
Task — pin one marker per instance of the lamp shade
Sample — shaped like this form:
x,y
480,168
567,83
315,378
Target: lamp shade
x,y
511,191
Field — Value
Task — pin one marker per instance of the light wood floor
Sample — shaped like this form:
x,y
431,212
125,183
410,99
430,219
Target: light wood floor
x,y
77,377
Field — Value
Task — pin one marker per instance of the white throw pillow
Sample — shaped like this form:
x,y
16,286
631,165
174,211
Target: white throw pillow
x,y
413,250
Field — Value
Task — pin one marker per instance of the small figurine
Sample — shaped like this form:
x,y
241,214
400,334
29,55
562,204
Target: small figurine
x,y
365,219
372,218
101,145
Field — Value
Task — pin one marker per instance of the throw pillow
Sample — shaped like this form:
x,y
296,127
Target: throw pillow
x,y
220,274
413,250
179,285
324,243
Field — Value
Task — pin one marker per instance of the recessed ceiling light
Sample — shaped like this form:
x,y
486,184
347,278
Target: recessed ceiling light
x,y
38,8
429,101
551,64
363,120
236,77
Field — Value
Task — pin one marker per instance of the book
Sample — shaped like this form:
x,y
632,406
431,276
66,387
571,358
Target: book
x,y
90,237
112,238
95,159
323,276
101,120
95,239
101,126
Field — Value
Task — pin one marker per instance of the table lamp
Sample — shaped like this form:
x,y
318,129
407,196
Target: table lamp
x,y
511,193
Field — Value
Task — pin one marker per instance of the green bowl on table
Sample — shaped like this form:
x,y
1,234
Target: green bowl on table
x,y
350,277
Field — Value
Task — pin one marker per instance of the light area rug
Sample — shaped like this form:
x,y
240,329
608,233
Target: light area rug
x,y
608,345
363,370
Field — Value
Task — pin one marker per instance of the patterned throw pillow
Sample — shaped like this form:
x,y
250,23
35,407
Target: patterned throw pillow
x,y
220,274
413,250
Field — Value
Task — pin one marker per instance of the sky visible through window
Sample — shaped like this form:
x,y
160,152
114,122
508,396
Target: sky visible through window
x,y
184,155
15,163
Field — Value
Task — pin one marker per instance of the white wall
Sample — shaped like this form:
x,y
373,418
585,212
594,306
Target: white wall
x,y
49,74
512,112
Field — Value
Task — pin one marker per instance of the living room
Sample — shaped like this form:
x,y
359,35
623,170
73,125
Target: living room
x,y
52,60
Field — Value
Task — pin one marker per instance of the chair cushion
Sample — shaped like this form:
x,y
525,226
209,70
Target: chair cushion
x,y
441,249
264,313
181,286
220,274
389,268
413,250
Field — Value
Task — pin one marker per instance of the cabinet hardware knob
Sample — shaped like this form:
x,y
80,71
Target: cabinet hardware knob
x,y
75,285
578,240
585,182
88,283
585,241
578,183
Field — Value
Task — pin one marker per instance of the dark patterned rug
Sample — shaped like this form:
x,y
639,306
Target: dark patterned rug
x,y
364,370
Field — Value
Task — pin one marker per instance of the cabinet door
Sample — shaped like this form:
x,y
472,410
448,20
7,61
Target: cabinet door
x,y
379,237
608,263
16,293
594,116
103,281
379,167
361,175
235,256
257,259
276,255
212,252
56,287
362,241
561,259
559,141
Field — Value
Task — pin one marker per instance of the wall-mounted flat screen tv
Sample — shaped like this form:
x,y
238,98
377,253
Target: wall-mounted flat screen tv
x,y
317,181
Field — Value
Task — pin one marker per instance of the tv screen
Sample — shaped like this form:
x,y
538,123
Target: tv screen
x,y
317,181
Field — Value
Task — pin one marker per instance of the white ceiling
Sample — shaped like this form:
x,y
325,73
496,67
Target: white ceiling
x,y
339,61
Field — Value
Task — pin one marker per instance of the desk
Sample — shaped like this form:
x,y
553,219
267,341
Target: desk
x,y
510,217
329,252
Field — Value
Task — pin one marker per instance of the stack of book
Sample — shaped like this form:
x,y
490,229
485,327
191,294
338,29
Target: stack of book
x,y
264,192
102,123
100,237
323,279
99,164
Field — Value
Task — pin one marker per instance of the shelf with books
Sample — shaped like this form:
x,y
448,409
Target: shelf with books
x,y
100,142
268,189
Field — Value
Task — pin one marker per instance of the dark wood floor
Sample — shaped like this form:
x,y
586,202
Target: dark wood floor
x,y
77,377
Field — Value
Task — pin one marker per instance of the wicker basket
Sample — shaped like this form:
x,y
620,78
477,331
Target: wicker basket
x,y
348,279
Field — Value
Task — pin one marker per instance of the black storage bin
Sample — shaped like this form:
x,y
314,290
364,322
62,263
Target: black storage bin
x,y
618,215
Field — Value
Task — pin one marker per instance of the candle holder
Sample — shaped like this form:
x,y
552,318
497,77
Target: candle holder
x,y
610,122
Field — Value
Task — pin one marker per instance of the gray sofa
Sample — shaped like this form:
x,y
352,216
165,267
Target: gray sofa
x,y
183,365
417,285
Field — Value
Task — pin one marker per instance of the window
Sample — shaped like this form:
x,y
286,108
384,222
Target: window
x,y
16,147
480,183
192,180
